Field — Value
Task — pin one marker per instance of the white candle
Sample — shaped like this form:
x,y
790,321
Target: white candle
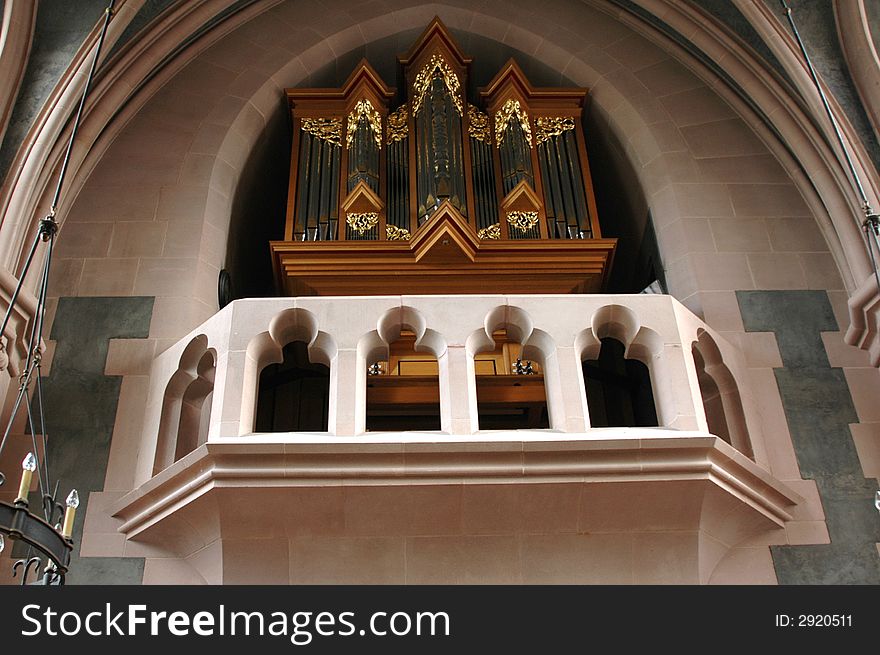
x,y
69,514
28,466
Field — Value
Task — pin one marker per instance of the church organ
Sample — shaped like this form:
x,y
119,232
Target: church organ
x,y
441,193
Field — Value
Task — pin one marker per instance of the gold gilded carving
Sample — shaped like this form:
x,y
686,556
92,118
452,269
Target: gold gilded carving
x,y
503,117
437,66
360,222
547,127
522,221
478,127
394,233
328,129
364,109
493,232
397,125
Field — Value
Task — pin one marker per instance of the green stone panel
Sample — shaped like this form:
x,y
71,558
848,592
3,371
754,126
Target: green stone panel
x,y
819,409
797,318
80,409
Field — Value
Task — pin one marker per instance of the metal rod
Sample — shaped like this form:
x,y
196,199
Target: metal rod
x,y
44,288
18,286
12,416
872,220
27,404
41,312
43,430
855,176
872,228
476,176
391,186
37,324
302,193
108,14
582,212
486,185
25,380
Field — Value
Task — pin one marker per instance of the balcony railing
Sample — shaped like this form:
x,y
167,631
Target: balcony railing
x,y
206,387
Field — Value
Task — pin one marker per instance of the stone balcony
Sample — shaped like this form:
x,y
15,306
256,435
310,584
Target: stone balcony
x,y
571,502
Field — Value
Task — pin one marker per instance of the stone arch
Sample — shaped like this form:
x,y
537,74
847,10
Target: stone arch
x,y
374,346
186,404
288,326
16,32
720,392
639,343
535,345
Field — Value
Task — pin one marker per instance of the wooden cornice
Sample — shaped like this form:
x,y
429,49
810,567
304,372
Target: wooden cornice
x,y
445,256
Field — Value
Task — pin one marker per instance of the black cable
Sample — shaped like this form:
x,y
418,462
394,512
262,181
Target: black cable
x,y
108,14
873,226
24,270
855,177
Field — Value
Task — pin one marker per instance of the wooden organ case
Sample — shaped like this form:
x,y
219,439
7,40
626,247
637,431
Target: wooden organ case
x,y
438,195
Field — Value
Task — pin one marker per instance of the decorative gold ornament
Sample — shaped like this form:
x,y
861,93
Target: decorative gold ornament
x,y
394,233
397,125
327,129
493,232
503,117
547,127
360,222
364,109
423,83
522,221
478,125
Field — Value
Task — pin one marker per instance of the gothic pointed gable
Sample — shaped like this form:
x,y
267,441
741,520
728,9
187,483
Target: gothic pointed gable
x,y
447,238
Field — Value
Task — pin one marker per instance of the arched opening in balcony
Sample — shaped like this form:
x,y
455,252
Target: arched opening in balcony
x,y
186,406
195,411
712,403
294,394
510,387
403,388
619,391
721,400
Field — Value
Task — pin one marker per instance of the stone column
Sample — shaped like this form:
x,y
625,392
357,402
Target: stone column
x,y
458,392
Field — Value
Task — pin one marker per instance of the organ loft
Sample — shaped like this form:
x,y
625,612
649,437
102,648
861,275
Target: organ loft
x,y
432,190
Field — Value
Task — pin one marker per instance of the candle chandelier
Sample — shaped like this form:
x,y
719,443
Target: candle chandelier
x,y
44,526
